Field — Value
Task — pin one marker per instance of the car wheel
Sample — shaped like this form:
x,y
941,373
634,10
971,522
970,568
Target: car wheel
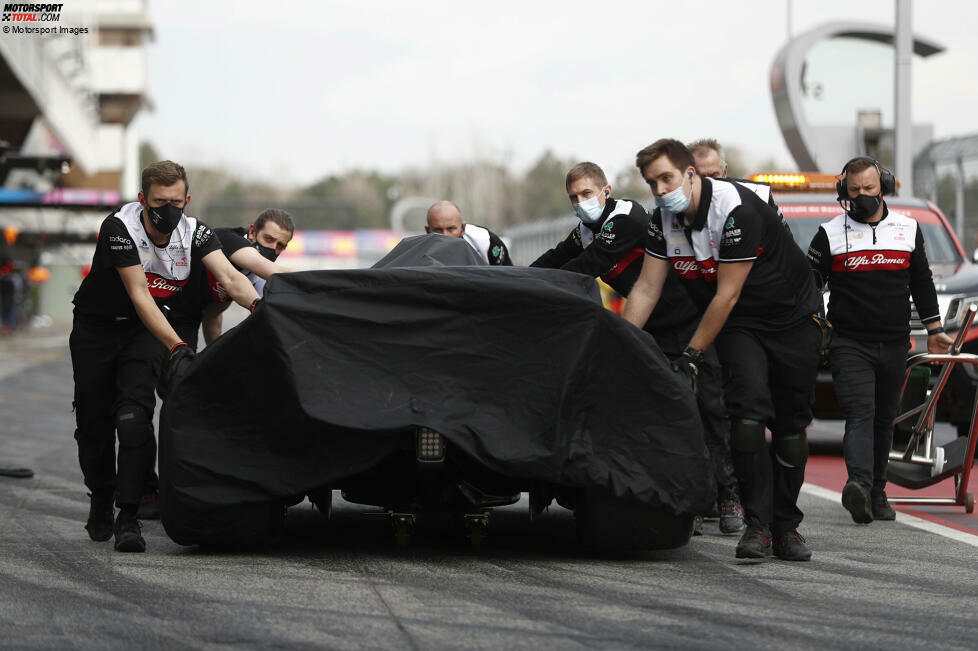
x,y
606,524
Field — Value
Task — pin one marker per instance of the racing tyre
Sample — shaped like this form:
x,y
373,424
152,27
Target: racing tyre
x,y
243,527
609,524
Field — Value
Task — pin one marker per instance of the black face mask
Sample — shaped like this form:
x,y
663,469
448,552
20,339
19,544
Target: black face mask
x,y
266,252
165,218
863,207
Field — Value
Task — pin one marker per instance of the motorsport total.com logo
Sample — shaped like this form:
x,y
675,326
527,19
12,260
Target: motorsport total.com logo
x,y
32,13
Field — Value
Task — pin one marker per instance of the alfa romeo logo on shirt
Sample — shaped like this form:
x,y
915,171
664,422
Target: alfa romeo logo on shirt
x,y
730,222
608,225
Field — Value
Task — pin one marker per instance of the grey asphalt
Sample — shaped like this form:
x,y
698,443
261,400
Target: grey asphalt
x,y
341,584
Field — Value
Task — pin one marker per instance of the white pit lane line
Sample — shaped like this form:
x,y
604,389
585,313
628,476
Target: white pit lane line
x,y
913,521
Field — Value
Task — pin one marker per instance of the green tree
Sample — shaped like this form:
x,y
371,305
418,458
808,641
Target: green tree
x,y
544,194
737,166
629,184
369,192
220,198
147,154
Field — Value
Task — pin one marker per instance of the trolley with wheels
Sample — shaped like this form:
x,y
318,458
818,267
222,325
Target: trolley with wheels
x,y
922,462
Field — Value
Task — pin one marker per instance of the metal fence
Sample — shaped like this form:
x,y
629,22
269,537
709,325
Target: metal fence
x,y
943,158
527,241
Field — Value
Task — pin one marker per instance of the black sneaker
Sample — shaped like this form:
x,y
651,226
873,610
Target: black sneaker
x,y
881,507
101,514
791,546
855,498
698,525
731,515
755,543
149,507
128,536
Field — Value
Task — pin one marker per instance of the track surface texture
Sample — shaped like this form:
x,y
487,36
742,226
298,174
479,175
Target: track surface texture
x,y
342,584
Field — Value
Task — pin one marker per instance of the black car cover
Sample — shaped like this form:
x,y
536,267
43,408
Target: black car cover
x,y
521,368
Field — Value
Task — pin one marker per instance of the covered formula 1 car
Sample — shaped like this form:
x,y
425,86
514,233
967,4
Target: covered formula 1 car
x,y
433,383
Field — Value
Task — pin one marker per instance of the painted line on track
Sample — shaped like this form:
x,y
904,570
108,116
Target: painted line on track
x,y
903,518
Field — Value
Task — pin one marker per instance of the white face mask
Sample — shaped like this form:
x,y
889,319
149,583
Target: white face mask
x,y
675,201
589,211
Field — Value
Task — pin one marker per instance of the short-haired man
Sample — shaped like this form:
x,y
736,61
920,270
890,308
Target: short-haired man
x,y
445,218
708,158
873,260
144,257
253,251
608,244
755,289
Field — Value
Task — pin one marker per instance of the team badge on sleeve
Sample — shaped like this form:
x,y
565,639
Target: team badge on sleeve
x,y
202,236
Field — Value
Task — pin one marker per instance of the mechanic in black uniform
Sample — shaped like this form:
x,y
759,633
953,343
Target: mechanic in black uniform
x,y
445,218
120,337
710,161
873,260
253,251
755,289
608,243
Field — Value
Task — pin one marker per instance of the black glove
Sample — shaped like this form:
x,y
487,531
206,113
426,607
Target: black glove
x,y
686,367
176,367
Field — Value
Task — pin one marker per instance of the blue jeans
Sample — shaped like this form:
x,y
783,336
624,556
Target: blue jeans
x,y
867,377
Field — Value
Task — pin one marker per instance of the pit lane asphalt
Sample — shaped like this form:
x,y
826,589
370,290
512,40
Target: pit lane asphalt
x,y
342,585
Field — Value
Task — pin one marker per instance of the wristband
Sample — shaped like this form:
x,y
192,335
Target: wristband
x,y
936,331
254,304
694,354
177,345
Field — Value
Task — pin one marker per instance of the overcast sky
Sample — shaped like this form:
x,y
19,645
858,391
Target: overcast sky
x,y
293,91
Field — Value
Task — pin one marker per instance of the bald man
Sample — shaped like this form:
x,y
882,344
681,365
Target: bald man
x,y
445,218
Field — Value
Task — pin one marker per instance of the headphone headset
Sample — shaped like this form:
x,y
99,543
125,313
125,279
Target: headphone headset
x,y
887,180
887,186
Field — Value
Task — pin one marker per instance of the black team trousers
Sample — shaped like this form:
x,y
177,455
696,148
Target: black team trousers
x,y
116,364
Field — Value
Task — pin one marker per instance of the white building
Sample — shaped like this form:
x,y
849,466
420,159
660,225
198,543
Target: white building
x,y
76,94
